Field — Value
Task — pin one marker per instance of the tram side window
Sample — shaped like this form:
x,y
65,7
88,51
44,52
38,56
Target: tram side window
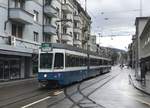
x,y
59,61
75,61
100,62
67,60
105,62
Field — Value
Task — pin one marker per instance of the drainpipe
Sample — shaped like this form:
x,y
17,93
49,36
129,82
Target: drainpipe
x,y
8,16
60,35
43,19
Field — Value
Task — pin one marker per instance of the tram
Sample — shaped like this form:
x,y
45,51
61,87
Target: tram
x,y
62,65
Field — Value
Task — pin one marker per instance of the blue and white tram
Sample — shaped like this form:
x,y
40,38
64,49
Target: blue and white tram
x,y
63,64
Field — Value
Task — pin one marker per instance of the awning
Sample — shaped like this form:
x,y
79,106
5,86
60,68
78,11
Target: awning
x,y
15,53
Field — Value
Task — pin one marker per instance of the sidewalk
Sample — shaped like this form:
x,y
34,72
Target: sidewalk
x,y
143,87
17,82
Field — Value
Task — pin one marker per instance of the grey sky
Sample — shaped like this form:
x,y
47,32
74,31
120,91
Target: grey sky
x,y
115,17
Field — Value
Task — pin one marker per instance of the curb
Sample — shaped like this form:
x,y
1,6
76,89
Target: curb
x,y
136,87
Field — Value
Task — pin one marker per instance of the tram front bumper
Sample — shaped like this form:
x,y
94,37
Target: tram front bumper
x,y
49,76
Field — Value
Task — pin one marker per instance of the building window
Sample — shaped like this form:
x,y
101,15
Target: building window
x,y
48,2
64,30
64,16
20,4
46,38
17,30
58,11
75,25
75,13
64,2
36,36
76,36
36,16
47,20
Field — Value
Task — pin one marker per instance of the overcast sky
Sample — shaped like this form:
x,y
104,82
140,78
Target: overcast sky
x,y
115,17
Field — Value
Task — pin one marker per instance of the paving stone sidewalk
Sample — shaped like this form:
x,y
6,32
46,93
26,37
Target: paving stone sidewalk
x,y
142,86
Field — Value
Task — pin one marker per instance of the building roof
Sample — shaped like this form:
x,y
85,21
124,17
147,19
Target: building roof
x,y
139,18
146,27
80,9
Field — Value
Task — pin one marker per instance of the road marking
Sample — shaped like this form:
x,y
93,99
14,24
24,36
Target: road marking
x,y
31,104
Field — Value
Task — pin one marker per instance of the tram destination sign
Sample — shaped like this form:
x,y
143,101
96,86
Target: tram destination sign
x,y
46,47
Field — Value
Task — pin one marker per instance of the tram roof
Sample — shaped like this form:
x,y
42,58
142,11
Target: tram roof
x,y
72,48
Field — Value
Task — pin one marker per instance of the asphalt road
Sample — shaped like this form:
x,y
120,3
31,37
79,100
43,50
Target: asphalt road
x,y
112,90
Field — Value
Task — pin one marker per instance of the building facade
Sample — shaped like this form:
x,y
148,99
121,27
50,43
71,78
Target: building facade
x,y
25,24
138,43
92,43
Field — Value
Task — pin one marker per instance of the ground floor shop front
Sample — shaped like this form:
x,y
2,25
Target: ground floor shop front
x,y
13,67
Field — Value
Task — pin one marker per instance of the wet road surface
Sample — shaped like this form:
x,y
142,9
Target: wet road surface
x,y
112,90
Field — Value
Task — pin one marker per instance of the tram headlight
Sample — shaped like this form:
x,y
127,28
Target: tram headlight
x,y
45,75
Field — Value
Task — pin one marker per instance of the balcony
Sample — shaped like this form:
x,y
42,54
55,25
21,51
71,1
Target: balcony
x,y
84,40
67,37
77,42
67,24
21,15
50,29
67,8
50,11
77,30
77,18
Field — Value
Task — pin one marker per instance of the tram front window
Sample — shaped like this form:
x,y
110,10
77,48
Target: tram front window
x,y
59,61
46,60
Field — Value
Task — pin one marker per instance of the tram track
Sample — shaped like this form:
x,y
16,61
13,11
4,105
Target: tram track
x,y
1,100
52,104
88,102
37,93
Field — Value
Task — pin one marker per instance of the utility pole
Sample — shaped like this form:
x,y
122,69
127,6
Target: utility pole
x,y
141,8
99,34
85,5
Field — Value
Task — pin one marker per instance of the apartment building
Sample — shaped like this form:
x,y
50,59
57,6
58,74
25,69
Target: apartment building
x,y
140,46
134,51
76,24
92,43
25,24
145,48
